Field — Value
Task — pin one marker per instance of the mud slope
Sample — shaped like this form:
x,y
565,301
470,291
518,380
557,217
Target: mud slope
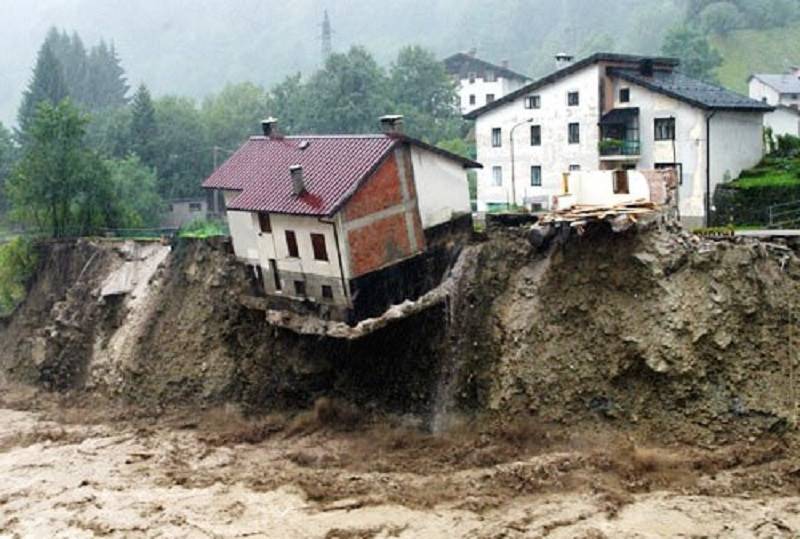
x,y
652,328
161,325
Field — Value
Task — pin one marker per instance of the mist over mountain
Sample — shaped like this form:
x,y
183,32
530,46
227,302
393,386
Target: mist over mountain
x,y
195,47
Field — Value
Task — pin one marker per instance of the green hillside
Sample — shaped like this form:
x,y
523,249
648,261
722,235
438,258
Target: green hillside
x,y
750,51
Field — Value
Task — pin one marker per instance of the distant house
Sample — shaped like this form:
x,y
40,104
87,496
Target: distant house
x,y
480,82
782,91
182,211
614,111
344,225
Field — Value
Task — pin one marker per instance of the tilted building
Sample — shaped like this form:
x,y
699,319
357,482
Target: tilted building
x,y
343,226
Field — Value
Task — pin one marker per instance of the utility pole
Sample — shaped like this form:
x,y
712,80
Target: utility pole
x,y
327,37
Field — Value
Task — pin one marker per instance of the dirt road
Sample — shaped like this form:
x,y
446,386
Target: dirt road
x,y
67,474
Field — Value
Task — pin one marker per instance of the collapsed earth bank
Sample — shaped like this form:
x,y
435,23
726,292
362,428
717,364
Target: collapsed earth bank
x,y
652,328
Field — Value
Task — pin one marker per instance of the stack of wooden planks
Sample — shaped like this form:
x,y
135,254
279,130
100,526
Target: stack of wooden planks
x,y
582,214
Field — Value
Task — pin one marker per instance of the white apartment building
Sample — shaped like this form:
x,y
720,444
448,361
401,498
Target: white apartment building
x,y
480,82
782,91
614,111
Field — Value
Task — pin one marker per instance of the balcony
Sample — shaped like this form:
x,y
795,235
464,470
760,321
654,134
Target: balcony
x,y
619,149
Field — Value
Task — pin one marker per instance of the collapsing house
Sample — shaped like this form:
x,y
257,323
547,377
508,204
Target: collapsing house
x,y
344,226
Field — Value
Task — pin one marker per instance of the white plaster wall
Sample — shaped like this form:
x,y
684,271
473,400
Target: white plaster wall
x,y
500,87
687,149
243,233
783,122
441,186
554,155
758,91
597,187
737,143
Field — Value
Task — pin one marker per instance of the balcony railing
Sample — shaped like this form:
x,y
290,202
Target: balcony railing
x,y
612,147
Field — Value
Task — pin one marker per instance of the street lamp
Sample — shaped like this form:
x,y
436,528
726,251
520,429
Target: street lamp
x,y
513,171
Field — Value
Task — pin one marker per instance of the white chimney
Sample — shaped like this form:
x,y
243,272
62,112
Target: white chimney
x,y
392,124
298,182
563,60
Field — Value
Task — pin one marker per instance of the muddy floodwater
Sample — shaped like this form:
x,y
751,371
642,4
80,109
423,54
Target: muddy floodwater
x,y
68,473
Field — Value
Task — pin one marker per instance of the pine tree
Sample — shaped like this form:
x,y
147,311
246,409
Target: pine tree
x,y
144,129
46,85
106,78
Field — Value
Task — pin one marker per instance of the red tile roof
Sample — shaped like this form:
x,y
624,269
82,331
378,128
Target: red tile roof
x,y
333,168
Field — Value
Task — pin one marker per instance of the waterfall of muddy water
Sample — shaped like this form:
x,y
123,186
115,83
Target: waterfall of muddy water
x,y
451,364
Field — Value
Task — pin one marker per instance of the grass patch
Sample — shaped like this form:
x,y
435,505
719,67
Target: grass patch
x,y
768,179
202,228
756,51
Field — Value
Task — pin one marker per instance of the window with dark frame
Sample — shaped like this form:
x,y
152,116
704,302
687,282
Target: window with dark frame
x,y
625,95
574,130
273,266
291,244
264,223
489,98
195,207
621,182
320,249
536,176
573,99
497,137
533,102
574,168
327,292
300,288
472,99
664,129
536,135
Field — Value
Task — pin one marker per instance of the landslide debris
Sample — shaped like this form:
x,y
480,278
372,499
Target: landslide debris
x,y
651,329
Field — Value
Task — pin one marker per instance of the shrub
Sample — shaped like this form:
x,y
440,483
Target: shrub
x,y
17,264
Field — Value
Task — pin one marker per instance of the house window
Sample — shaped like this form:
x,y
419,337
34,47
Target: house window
x,y
273,266
264,223
195,207
678,169
320,250
665,129
536,176
472,99
291,244
536,135
489,76
497,176
471,77
327,292
574,133
621,182
497,137
300,288
625,95
533,102
574,168
573,99
489,98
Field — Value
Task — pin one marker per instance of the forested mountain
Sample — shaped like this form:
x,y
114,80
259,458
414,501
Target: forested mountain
x,y
195,48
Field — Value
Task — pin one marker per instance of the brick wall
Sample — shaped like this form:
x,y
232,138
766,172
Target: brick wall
x,y
381,220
